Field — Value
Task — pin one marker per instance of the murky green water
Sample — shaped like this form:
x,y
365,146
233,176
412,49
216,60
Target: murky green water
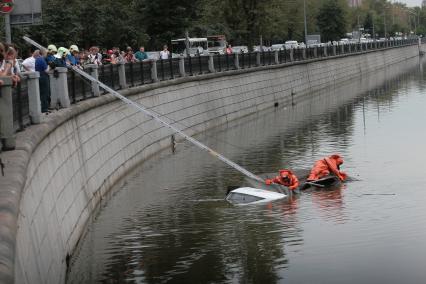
x,y
169,223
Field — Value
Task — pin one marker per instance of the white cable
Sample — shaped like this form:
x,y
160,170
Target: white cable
x,y
156,117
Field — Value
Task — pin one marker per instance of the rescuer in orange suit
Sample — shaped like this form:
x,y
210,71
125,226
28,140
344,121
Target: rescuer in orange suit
x,y
327,166
286,178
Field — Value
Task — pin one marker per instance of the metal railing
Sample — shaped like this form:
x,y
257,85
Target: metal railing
x,y
21,112
140,73
151,71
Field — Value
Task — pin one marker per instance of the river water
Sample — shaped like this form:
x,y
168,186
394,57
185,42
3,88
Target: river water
x,y
168,222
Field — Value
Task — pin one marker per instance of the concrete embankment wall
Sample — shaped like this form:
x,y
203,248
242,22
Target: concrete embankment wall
x,y
65,166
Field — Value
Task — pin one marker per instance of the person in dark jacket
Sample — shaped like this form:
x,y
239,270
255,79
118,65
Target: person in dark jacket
x,y
44,85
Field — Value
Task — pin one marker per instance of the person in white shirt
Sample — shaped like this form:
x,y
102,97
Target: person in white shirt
x,y
165,53
94,56
29,63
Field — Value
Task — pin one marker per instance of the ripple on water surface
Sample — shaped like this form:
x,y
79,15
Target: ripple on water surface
x,y
169,223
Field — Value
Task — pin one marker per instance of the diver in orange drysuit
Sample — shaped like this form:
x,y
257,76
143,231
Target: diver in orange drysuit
x,y
286,178
327,166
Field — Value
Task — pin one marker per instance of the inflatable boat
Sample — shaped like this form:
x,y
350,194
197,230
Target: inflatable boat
x,y
328,182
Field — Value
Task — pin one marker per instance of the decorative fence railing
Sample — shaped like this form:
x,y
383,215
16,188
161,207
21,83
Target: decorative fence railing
x,y
21,112
20,105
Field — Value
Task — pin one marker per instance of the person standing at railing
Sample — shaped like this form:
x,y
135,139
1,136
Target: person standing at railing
x,y
29,63
9,65
51,51
107,58
165,53
94,56
129,56
229,49
141,55
115,56
61,58
41,66
73,56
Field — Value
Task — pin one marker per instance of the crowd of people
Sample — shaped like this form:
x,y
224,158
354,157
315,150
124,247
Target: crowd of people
x,y
73,56
44,60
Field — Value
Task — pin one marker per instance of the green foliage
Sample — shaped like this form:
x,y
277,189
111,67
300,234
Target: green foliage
x,y
332,20
122,23
368,23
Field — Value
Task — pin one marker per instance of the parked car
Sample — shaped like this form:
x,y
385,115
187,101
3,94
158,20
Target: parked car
x,y
153,55
240,49
278,46
343,41
259,48
291,44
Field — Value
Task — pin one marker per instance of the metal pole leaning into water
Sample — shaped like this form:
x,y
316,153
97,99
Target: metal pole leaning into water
x,y
156,117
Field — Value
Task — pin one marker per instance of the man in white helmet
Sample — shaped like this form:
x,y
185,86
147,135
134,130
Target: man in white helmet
x,y
61,57
73,57
51,51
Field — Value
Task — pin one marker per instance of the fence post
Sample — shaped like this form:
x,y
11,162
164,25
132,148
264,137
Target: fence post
x,y
211,63
342,49
59,88
236,61
334,50
276,57
291,55
154,74
420,44
122,75
325,51
182,66
94,68
257,58
315,52
7,132
34,103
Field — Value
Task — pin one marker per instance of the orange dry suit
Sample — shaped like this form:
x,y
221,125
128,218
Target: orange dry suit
x,y
327,166
286,178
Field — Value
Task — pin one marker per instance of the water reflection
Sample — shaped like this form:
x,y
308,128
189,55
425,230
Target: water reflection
x,y
330,204
169,223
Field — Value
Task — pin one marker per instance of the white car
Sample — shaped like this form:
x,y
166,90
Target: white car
x,y
240,49
291,44
250,195
278,46
153,55
343,41
259,48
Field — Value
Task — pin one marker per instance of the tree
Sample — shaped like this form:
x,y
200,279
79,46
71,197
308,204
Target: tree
x,y
165,20
368,23
332,20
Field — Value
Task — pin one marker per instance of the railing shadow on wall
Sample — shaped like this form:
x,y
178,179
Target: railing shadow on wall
x,y
25,102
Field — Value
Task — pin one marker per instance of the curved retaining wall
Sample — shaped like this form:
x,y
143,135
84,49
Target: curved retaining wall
x,y
63,167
